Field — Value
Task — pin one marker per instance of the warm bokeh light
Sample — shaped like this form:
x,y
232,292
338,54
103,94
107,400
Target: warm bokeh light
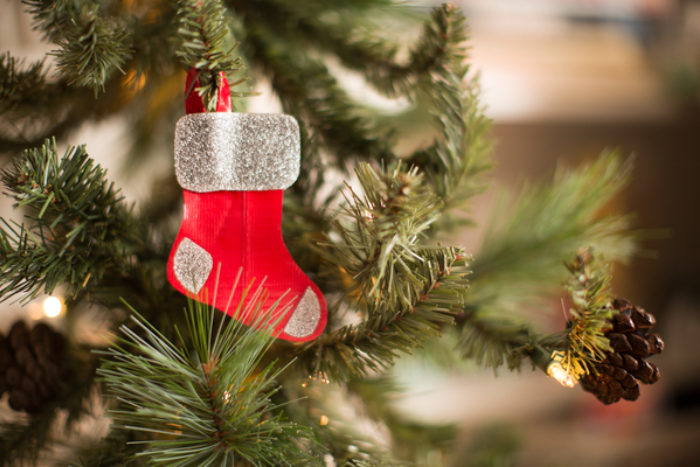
x,y
52,306
557,371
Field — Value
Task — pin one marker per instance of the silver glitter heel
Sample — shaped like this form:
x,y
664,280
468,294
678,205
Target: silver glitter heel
x,y
192,265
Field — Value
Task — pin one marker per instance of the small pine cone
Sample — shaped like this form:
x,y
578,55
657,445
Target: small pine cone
x,y
6,361
618,376
31,362
18,335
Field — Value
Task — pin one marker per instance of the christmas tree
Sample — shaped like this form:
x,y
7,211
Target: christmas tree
x,y
368,222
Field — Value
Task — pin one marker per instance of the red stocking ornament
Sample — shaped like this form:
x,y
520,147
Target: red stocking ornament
x,y
233,168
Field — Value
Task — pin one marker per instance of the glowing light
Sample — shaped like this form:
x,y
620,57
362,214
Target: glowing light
x,y
52,306
324,420
556,370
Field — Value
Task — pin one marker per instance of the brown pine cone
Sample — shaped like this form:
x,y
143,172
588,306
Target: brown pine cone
x,y
619,375
31,364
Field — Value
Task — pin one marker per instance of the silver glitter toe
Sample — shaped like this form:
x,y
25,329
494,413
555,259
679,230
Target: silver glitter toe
x,y
305,317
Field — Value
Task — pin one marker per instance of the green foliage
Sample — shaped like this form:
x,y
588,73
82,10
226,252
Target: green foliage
x,y
92,45
517,264
493,340
93,51
204,42
334,410
204,400
25,89
406,288
529,236
78,225
462,151
18,81
589,292
386,332
377,248
309,91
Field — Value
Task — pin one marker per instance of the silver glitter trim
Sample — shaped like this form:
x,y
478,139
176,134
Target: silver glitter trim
x,y
236,151
305,317
192,265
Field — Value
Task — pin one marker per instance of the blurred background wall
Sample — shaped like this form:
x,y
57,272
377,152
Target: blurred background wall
x,y
563,80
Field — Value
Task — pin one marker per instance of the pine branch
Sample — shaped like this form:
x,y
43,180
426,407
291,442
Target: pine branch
x,y
204,399
528,238
78,224
93,50
93,45
460,155
379,250
338,28
205,42
518,262
493,340
355,350
386,225
308,91
26,90
589,291
19,82
52,17
53,108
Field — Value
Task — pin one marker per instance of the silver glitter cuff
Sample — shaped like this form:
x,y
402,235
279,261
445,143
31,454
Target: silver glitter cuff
x,y
236,151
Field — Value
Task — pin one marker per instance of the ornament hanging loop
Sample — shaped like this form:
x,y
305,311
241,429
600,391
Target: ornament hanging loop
x,y
194,102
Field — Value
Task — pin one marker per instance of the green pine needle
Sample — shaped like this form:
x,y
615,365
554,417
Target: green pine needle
x,y
18,81
94,42
530,236
77,223
385,227
460,156
204,42
589,293
92,50
203,399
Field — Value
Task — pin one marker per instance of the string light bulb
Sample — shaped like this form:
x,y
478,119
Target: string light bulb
x,y
556,370
52,306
